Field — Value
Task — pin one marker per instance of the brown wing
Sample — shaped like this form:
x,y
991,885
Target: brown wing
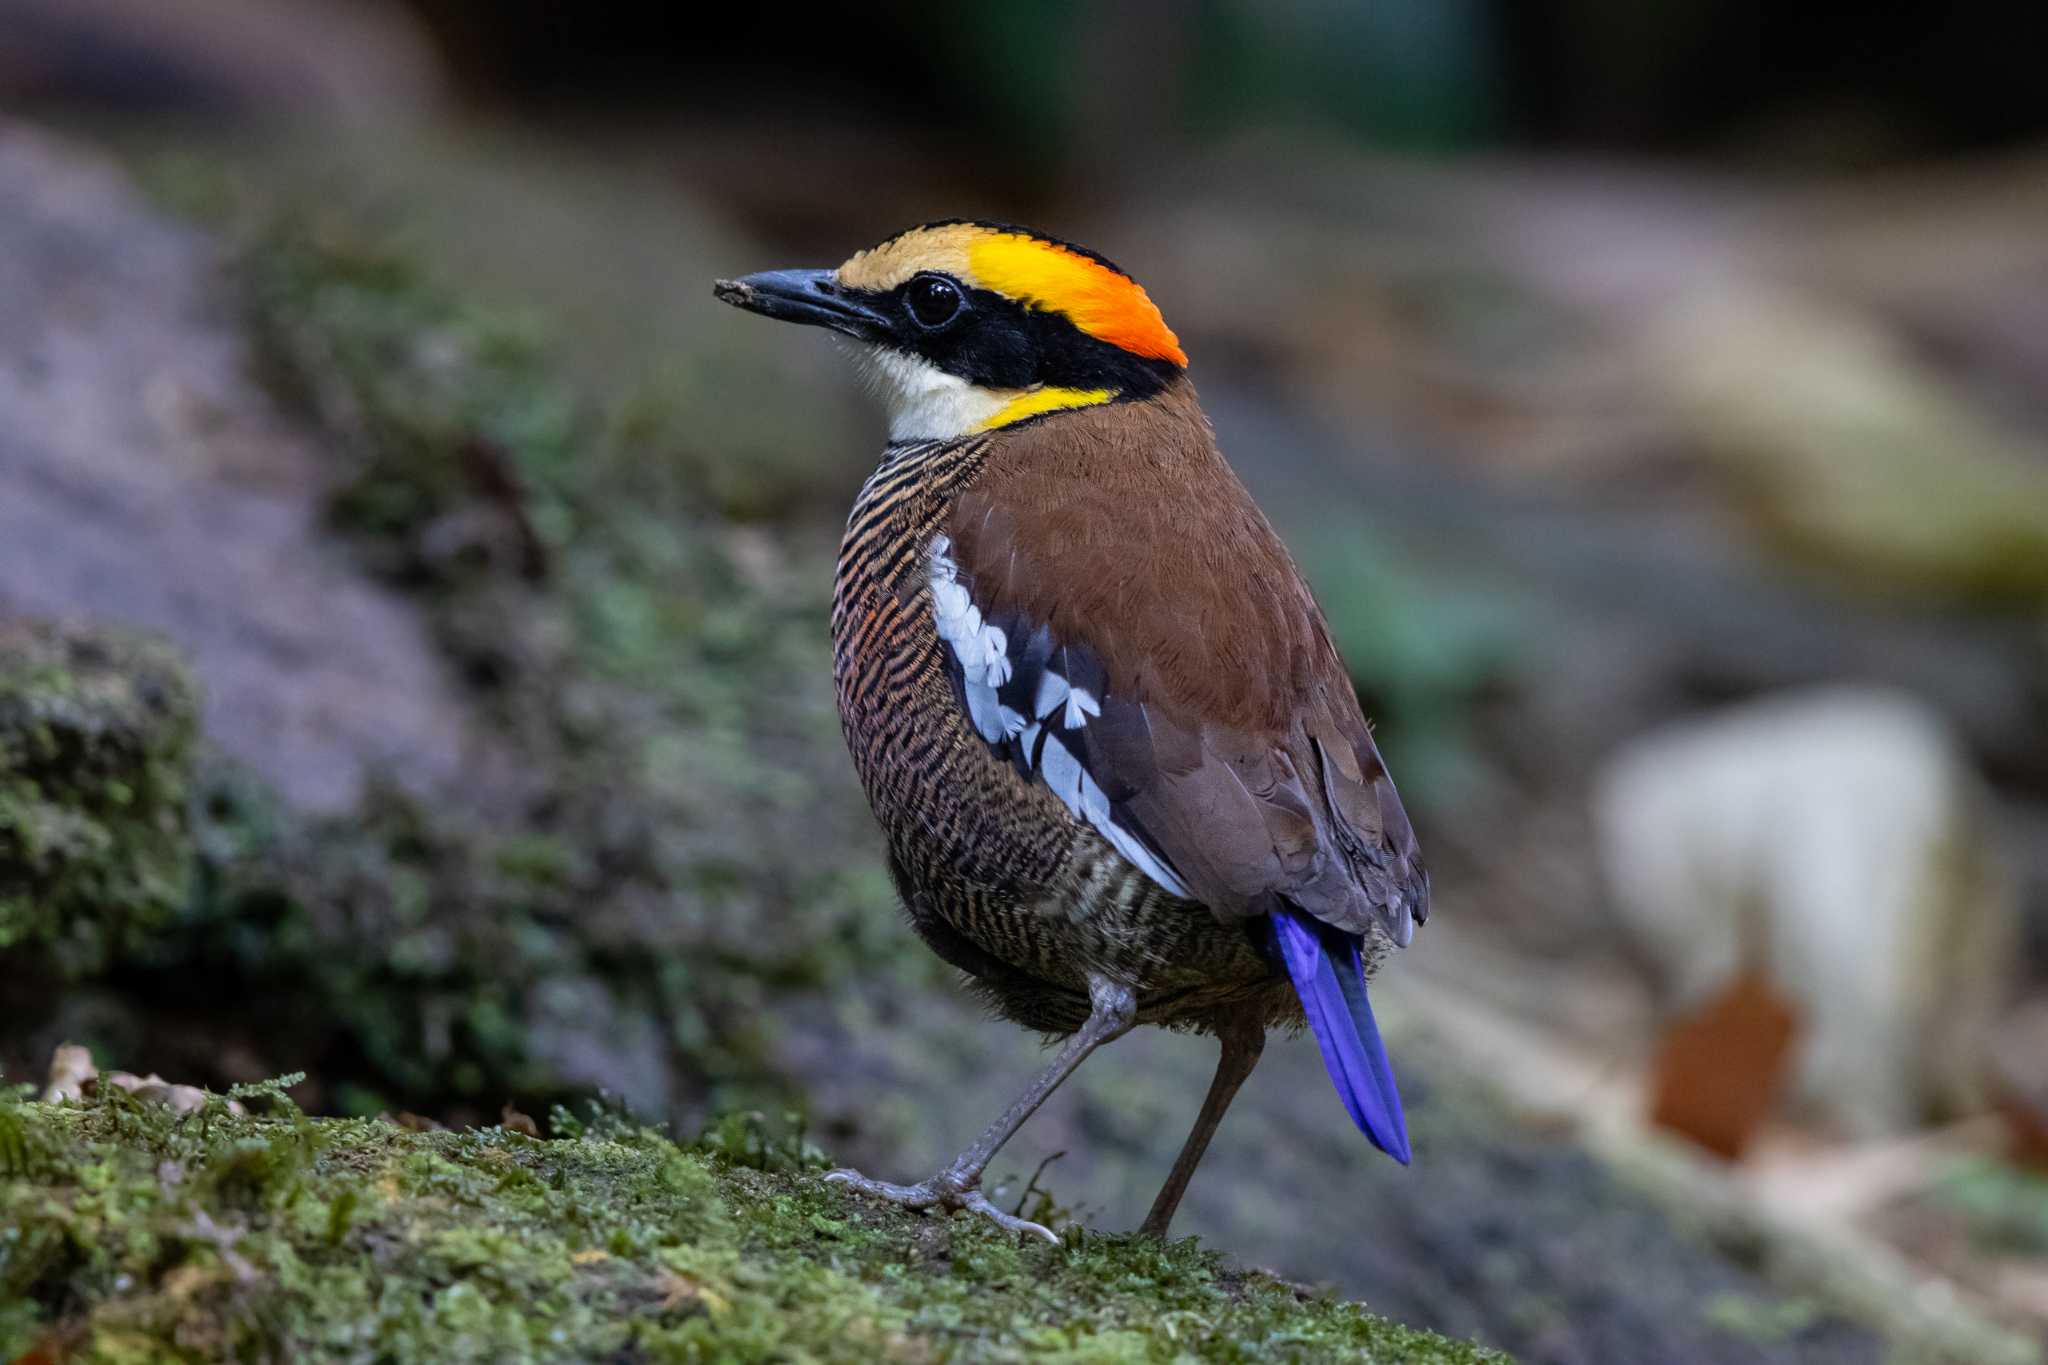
x,y
1113,554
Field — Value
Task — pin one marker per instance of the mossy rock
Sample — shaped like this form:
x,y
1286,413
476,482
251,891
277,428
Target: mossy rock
x,y
129,1234
585,911
96,730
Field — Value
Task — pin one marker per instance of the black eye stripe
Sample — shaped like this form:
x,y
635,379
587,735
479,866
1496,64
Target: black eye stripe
x,y
999,343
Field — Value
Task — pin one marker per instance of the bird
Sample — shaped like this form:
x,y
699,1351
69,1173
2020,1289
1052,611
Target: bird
x,y
1122,774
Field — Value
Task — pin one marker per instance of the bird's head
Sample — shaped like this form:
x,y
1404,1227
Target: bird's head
x,y
972,326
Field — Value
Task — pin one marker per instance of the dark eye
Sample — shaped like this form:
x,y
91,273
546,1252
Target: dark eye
x,y
934,301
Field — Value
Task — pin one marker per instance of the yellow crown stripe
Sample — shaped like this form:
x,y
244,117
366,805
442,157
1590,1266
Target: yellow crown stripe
x,y
1032,402
1093,297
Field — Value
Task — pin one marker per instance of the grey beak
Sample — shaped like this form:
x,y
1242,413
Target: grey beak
x,y
814,297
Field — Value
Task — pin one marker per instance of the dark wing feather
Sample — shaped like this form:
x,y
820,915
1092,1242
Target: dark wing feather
x,y
1119,555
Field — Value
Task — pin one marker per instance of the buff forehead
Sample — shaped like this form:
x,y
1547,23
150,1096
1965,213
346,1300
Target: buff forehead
x,y
882,268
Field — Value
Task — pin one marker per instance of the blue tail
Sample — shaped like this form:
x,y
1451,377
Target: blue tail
x,y
1330,980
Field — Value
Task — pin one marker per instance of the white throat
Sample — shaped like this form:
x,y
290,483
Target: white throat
x,y
927,404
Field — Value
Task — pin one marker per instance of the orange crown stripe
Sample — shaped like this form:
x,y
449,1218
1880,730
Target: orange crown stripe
x,y
1095,298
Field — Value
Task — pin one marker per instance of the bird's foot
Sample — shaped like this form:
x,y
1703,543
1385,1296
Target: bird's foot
x,y
946,1190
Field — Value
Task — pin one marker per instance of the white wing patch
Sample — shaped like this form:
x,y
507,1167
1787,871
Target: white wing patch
x,y
1080,706
982,651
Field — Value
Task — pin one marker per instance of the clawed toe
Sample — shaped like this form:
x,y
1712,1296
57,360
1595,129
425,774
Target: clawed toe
x,y
941,1191
977,1202
920,1196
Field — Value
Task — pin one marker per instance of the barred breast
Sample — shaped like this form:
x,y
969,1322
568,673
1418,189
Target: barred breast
x,y
999,877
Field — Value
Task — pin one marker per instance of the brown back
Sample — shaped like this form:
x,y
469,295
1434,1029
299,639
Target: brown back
x,y
1231,736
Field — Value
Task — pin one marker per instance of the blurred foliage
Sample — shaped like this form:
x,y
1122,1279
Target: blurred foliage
x,y
1423,657
1858,458
95,728
1415,74
127,1233
2003,1207
1765,1322
1412,73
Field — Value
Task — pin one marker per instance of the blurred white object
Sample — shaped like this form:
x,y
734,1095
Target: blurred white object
x,y
1838,841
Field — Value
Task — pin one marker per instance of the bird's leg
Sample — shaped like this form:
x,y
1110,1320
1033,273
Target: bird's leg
x,y
1112,1011
1243,1038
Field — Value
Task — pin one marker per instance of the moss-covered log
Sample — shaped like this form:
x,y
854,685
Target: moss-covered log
x,y
131,1234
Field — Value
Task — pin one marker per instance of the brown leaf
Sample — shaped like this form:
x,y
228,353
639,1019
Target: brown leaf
x,y
1719,1066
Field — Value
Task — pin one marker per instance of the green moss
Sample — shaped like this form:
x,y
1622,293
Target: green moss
x,y
95,732
133,1235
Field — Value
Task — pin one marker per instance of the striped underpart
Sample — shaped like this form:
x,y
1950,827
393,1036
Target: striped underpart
x,y
956,836
999,875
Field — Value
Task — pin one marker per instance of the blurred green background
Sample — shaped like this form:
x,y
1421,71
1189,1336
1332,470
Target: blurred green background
x,y
412,592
